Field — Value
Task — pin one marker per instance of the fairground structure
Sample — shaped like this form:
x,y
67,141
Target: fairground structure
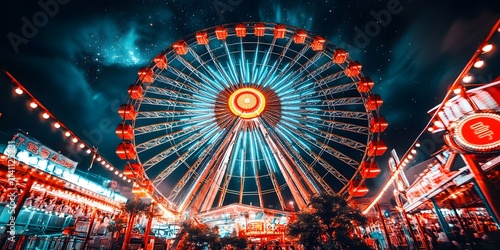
x,y
238,126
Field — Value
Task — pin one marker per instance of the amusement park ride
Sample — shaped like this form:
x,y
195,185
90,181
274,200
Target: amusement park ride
x,y
250,113
240,125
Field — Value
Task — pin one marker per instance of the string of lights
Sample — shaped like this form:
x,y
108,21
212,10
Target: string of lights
x,y
458,87
34,103
68,133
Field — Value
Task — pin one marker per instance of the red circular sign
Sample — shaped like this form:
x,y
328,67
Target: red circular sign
x,y
479,132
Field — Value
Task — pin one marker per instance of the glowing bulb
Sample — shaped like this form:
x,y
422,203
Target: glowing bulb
x,y
74,140
57,125
430,129
479,64
129,180
121,175
103,162
487,48
33,105
457,90
467,79
82,145
19,91
45,115
116,172
67,134
438,124
111,168
410,157
89,151
124,178
107,166
98,159
417,145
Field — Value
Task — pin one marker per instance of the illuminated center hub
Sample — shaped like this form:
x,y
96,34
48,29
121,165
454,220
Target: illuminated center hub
x,y
247,102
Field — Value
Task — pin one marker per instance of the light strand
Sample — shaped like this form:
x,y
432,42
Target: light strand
x,y
455,85
75,139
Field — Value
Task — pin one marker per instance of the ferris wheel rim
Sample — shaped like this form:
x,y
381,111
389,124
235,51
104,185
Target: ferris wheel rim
x,y
329,48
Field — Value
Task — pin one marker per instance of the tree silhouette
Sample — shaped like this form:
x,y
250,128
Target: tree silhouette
x,y
329,222
200,234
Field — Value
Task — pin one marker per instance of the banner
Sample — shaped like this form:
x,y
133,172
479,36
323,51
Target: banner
x,y
35,148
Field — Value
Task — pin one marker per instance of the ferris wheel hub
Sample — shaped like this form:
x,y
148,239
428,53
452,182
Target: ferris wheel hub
x,y
247,102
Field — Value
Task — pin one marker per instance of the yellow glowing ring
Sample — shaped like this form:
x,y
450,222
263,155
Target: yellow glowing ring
x,y
247,103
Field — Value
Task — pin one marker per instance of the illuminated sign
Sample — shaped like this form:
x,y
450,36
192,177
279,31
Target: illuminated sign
x,y
41,153
478,132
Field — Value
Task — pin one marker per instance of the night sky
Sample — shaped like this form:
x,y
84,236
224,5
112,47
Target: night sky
x,y
78,57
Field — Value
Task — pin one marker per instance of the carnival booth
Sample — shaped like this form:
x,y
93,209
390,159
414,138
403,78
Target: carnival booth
x,y
47,203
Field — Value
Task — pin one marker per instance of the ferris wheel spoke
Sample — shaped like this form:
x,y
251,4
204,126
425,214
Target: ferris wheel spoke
x,y
331,113
215,169
294,61
264,70
328,136
254,64
253,152
276,64
218,81
330,169
177,84
271,169
227,83
306,92
173,114
315,73
170,137
188,80
328,79
284,159
303,68
290,129
168,125
236,77
168,103
200,140
332,102
242,64
332,124
334,90
307,171
199,137
202,77
175,95
193,170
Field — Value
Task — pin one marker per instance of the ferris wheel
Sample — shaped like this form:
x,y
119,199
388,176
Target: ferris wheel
x,y
252,113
